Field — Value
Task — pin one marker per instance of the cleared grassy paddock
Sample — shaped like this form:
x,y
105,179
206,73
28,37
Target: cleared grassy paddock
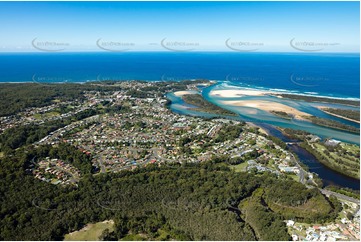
x,y
240,167
90,232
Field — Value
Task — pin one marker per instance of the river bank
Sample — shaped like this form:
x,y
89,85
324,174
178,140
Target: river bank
x,y
255,105
328,175
336,115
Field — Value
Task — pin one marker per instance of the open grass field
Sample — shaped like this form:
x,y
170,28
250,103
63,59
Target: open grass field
x,y
46,115
341,158
240,167
90,231
350,147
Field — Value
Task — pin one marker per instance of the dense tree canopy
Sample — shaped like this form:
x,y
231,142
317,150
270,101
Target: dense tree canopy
x,y
190,201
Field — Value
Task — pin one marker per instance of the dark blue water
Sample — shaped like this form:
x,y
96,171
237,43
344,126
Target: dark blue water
x,y
328,176
319,74
323,74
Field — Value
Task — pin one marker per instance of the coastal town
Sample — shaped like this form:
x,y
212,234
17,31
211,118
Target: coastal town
x,y
180,121
143,130
154,134
56,172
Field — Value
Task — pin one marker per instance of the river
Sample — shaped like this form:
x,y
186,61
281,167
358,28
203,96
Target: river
x,y
328,176
254,115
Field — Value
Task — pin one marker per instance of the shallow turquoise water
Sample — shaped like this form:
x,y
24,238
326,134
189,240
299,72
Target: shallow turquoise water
x,y
257,115
267,120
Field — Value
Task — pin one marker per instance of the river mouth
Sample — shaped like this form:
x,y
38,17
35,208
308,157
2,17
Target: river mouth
x,y
328,176
231,97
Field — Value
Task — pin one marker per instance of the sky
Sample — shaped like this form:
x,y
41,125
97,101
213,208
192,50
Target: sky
x,y
180,26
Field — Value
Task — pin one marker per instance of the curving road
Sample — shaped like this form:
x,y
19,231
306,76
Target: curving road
x,y
340,196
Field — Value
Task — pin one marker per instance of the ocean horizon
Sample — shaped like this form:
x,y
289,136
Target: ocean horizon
x,y
333,75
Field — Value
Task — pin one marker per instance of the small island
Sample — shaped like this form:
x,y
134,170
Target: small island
x,y
332,124
205,106
351,115
318,121
319,99
282,114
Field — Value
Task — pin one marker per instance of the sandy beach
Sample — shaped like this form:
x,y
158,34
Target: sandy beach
x,y
237,93
181,93
268,106
258,127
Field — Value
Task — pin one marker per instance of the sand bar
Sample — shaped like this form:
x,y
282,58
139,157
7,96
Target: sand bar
x,y
268,106
181,93
237,93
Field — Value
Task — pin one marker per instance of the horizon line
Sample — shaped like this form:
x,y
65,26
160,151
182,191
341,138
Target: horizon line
x,y
179,52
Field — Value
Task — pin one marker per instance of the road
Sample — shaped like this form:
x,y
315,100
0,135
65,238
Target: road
x,y
99,157
101,163
324,191
302,171
73,179
340,196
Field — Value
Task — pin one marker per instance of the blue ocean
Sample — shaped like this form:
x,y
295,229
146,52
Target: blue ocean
x,y
324,74
334,75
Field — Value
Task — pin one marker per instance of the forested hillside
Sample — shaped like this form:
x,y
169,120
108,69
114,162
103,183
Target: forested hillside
x,y
191,202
